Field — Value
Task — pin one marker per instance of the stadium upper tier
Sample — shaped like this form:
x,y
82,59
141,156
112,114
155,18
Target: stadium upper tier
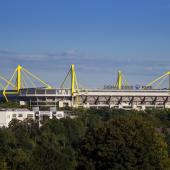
x,y
125,99
29,89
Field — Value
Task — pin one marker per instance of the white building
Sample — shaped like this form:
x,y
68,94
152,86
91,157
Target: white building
x,y
50,114
7,115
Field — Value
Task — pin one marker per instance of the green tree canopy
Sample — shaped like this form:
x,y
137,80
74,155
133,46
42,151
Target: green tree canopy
x,y
125,142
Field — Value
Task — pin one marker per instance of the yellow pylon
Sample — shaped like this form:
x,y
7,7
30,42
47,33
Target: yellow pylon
x,y
74,83
19,84
121,81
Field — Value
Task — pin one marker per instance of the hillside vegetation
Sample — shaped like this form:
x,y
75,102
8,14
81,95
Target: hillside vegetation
x,y
97,139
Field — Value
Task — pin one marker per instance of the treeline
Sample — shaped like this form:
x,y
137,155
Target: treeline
x,y
97,139
11,105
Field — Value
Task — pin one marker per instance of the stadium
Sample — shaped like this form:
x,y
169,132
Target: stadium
x,y
28,89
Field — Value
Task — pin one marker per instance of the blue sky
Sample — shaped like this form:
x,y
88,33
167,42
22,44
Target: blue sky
x,y
99,36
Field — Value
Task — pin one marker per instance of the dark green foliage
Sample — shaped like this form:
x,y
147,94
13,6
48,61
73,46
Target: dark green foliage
x,y
96,139
53,149
53,152
4,104
12,155
123,143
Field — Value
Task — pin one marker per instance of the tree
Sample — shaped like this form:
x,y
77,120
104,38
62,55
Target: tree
x,y
53,149
24,133
7,144
74,130
125,142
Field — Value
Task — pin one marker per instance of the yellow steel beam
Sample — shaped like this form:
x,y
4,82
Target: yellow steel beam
x,y
29,79
125,80
68,74
7,81
72,79
157,79
74,83
35,77
1,85
7,85
160,82
24,84
19,77
119,80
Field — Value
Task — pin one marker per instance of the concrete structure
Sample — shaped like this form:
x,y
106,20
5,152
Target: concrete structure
x,y
49,114
124,99
7,115
121,96
21,114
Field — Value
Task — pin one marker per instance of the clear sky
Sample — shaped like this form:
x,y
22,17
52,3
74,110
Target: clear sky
x,y
99,36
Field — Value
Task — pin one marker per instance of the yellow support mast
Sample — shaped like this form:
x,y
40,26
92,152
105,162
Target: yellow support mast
x,y
119,80
74,83
71,75
19,83
19,78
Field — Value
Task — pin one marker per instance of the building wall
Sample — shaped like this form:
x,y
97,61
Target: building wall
x,y
4,118
8,115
